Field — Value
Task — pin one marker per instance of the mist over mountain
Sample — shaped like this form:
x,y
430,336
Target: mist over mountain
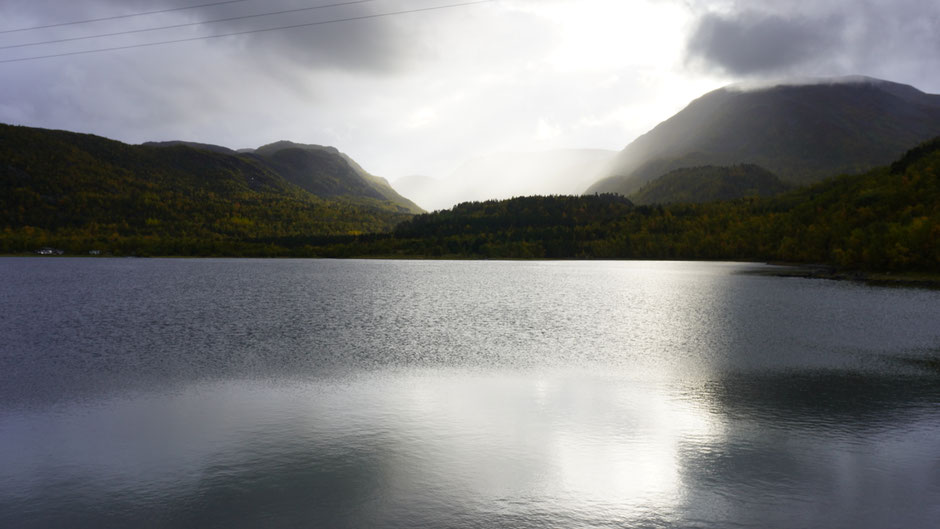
x,y
886,219
802,131
509,174
426,191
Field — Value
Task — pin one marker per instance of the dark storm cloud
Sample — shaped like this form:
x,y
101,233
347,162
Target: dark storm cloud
x,y
195,89
761,38
749,43
380,45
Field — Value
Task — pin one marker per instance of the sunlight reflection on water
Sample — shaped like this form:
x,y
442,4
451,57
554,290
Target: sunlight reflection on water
x,y
442,440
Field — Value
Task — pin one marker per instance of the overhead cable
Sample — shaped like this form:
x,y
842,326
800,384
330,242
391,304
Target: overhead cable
x,y
185,25
117,17
246,32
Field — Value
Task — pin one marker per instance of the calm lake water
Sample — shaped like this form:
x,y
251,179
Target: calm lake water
x,y
308,393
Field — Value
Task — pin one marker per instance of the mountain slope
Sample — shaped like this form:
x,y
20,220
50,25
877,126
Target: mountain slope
x,y
323,171
326,172
802,133
82,192
710,183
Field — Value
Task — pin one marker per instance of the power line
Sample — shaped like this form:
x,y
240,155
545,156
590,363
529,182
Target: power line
x,y
116,17
184,25
278,28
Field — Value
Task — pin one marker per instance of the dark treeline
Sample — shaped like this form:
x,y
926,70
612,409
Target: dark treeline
x,y
884,220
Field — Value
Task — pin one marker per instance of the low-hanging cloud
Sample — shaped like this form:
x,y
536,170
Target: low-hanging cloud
x,y
753,43
893,39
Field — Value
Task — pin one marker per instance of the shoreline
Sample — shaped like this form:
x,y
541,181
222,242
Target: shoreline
x,y
926,280
882,279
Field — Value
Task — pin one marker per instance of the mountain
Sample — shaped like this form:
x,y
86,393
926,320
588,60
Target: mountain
x,y
324,171
193,144
710,183
82,192
510,174
800,132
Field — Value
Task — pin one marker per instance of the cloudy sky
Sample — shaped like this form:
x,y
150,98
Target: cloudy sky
x,y
412,89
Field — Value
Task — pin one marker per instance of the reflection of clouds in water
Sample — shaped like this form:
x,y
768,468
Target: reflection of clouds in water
x,y
406,446
631,465
459,448
564,441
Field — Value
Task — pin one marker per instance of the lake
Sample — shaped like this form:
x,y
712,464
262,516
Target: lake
x,y
318,393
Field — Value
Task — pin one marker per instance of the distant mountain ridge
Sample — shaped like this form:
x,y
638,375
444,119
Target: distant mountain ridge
x,y
801,132
195,145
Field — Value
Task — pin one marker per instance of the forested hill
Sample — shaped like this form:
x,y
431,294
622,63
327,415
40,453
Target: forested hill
x,y
322,171
710,183
327,173
885,220
80,193
801,132
535,226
